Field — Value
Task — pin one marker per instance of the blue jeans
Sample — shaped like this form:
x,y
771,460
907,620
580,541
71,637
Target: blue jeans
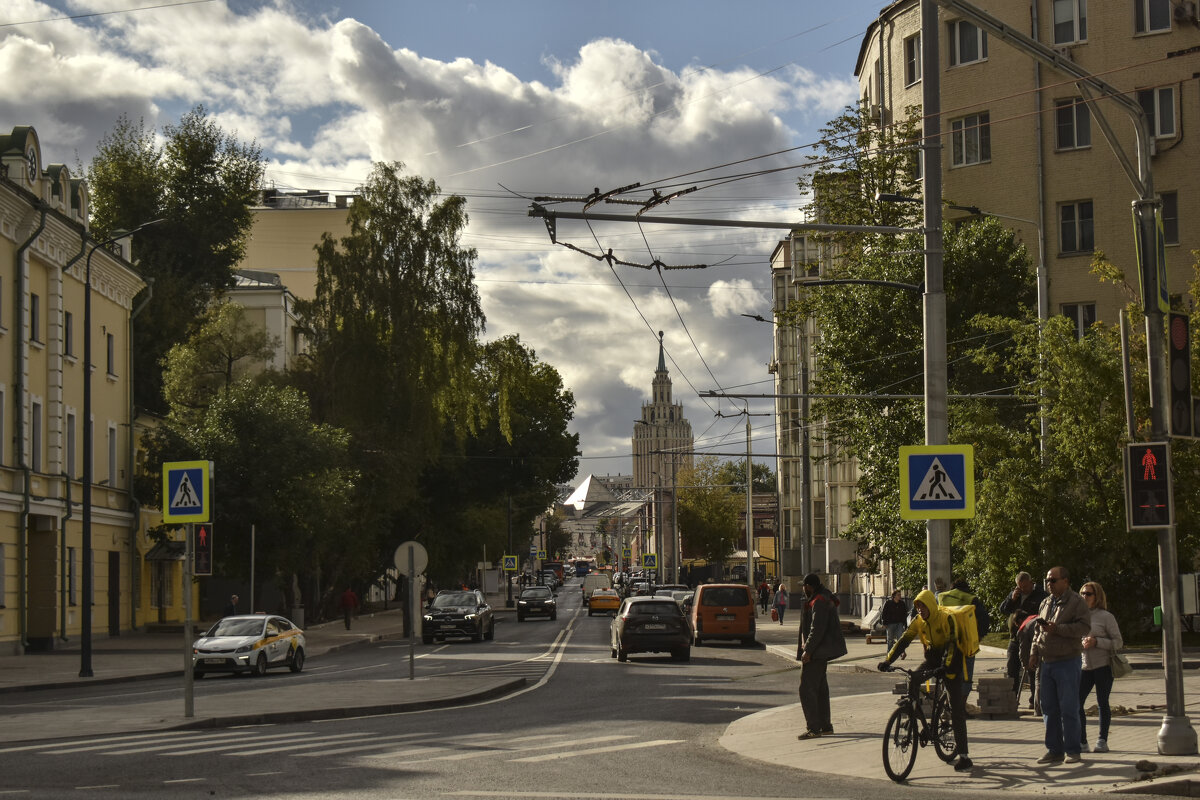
x,y
780,609
1059,681
1102,679
894,631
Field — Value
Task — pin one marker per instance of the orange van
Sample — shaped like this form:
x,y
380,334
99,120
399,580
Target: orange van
x,y
723,611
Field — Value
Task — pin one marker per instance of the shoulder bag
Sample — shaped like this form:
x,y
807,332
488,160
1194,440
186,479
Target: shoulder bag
x,y
1120,665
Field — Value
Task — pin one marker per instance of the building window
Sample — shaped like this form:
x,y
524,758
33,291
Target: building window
x,y
1152,15
1070,21
971,140
1170,217
68,334
3,571
35,317
69,466
112,456
1075,228
72,578
1159,105
35,436
912,60
111,345
967,43
1083,315
1073,124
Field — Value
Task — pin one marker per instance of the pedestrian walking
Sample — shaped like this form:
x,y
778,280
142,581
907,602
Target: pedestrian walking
x,y
821,641
1063,620
938,633
349,604
781,601
894,618
1099,646
764,596
1022,602
231,607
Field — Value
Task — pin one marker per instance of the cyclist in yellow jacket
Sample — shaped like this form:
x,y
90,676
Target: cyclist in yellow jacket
x,y
936,630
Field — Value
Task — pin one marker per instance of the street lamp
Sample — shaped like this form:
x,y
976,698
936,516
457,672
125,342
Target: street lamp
x,y
85,647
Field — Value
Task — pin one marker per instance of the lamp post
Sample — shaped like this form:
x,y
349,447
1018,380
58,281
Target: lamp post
x,y
85,641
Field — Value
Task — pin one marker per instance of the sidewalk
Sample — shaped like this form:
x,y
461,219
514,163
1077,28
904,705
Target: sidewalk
x,y
1004,752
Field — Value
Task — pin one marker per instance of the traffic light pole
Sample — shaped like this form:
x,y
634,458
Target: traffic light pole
x,y
188,674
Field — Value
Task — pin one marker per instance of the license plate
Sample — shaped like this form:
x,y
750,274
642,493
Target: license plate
x,y
214,661
726,617
655,626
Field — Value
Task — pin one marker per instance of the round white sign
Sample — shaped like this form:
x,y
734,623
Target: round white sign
x,y
420,557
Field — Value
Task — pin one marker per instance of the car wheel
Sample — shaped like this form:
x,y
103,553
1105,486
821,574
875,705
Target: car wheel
x,y
749,642
622,655
520,617
553,617
491,632
589,612
297,661
682,654
477,636
260,666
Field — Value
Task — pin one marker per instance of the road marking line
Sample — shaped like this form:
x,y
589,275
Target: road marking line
x,y
610,749
119,740
57,751
376,742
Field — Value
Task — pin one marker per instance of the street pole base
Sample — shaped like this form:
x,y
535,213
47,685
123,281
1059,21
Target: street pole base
x,y
1176,737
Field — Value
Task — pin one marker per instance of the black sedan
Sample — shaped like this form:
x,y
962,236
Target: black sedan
x,y
536,600
650,625
458,613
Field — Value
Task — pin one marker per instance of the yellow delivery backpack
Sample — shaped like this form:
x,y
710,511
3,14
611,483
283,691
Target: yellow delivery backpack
x,y
967,638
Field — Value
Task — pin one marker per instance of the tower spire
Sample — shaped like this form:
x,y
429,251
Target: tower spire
x,y
662,360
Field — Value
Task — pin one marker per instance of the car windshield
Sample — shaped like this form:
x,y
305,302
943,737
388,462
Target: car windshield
x,y
454,600
725,596
539,593
236,627
648,609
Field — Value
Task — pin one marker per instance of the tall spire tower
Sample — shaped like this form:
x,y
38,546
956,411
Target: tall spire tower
x,y
662,446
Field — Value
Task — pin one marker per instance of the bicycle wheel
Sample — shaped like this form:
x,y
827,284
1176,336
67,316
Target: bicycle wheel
x,y
943,726
900,744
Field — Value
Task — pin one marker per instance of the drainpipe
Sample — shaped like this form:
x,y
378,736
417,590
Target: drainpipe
x,y
63,589
20,346
135,569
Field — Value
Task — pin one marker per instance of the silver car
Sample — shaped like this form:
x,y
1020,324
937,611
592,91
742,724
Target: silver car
x,y
250,643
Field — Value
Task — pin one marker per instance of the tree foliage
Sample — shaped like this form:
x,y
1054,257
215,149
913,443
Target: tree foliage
x,y
733,473
201,183
708,511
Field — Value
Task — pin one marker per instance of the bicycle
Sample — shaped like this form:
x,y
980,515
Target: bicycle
x,y
908,728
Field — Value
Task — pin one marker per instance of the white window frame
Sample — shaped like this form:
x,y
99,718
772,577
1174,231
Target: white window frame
x,y
972,129
1081,314
1142,15
1159,105
958,30
1069,12
1081,228
1072,114
912,60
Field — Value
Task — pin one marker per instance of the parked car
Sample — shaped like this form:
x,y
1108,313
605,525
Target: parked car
x,y
603,600
723,611
249,643
536,600
461,613
650,625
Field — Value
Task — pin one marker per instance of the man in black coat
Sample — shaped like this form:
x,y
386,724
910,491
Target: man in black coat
x,y
1024,601
821,641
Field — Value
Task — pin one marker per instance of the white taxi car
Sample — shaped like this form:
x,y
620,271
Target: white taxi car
x,y
250,643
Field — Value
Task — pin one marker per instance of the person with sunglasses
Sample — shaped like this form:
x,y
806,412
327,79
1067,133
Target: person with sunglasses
x,y
1063,620
1098,648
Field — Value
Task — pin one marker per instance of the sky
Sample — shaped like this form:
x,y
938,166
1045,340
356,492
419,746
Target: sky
x,y
503,102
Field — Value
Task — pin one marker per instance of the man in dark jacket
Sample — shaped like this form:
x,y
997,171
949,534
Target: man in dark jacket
x,y
821,641
1024,601
894,618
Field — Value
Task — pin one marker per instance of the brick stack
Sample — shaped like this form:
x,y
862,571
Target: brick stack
x,y
996,698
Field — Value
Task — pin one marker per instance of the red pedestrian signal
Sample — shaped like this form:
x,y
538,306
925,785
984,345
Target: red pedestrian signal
x,y
1148,485
202,549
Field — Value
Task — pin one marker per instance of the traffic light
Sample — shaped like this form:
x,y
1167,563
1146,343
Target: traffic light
x,y
1148,485
1179,360
202,550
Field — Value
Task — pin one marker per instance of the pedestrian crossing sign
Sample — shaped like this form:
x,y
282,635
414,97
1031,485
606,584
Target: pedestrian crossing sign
x,y
187,491
510,563
650,560
937,481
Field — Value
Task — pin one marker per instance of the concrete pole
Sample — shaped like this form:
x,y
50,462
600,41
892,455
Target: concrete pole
x,y
936,427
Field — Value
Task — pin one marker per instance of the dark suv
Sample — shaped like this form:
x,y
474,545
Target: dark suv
x,y
536,600
458,613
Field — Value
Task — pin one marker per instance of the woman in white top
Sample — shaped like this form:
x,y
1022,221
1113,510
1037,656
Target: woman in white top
x,y
1098,649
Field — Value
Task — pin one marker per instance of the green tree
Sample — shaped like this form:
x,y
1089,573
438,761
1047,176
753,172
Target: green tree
x,y
708,512
201,182
558,540
733,473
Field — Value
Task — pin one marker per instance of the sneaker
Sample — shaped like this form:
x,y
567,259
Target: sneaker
x,y
1073,758
826,731
809,735
1101,747
1051,758
963,764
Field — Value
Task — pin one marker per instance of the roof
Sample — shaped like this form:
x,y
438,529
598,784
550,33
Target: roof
x,y
166,551
589,492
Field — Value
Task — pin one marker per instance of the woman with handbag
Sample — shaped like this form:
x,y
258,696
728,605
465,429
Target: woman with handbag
x,y
1099,648
781,603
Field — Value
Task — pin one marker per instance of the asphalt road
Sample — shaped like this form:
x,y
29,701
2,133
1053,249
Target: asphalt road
x,y
586,727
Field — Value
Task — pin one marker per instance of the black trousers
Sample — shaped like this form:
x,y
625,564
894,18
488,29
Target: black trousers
x,y
814,694
958,712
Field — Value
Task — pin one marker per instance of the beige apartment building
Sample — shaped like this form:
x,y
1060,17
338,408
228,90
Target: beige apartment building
x,y
44,255
1019,144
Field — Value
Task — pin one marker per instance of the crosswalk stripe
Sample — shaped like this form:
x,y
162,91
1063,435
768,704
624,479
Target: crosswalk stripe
x,y
226,744
258,741
291,746
155,742
43,745
375,743
593,750
501,748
